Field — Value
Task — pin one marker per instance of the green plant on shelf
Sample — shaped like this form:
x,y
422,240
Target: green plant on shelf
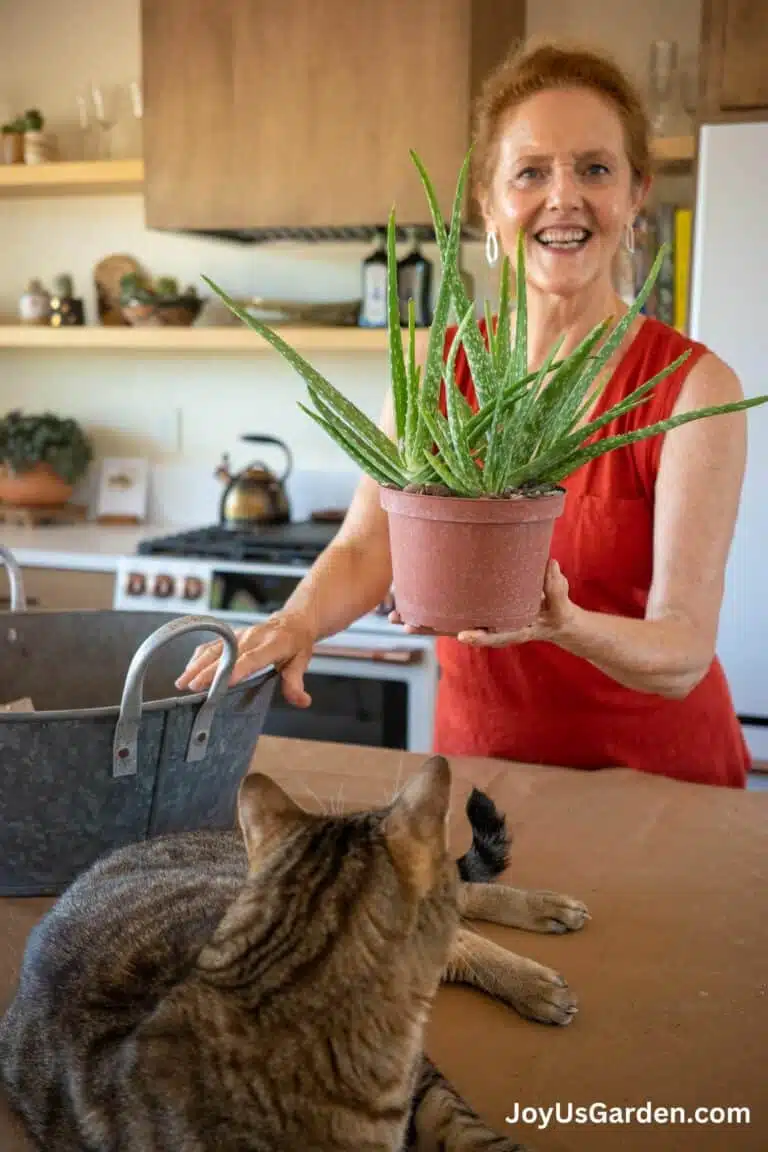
x,y
29,440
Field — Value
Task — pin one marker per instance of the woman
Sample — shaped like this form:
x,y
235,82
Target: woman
x,y
619,668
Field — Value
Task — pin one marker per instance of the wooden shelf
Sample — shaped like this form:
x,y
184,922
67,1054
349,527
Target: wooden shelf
x,y
674,151
66,178
191,340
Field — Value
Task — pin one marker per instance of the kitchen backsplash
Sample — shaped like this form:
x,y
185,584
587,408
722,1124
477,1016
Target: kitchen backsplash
x,y
188,495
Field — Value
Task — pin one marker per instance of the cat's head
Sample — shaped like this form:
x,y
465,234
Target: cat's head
x,y
388,869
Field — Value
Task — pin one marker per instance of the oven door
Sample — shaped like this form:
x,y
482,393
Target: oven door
x,y
345,709
363,692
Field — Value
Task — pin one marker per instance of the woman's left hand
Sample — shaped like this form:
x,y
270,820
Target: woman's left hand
x,y
555,616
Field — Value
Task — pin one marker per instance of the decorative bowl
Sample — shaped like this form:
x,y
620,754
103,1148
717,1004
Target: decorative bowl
x,y
178,312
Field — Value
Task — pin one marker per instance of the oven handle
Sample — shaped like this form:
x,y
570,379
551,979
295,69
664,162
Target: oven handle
x,y
379,655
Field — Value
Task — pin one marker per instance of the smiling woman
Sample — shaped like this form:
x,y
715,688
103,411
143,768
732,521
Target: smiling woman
x,y
619,667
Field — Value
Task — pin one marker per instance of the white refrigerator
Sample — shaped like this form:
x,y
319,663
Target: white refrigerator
x,y
729,313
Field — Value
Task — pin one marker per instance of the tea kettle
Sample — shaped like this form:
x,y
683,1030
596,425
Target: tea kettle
x,y
255,495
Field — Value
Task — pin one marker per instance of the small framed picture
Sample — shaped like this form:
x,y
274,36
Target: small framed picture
x,y
123,490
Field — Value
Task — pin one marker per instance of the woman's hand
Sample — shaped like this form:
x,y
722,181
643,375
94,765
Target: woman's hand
x,y
555,616
554,619
284,640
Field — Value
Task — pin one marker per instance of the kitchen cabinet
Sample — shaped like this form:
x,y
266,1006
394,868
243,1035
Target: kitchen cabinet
x,y
64,590
734,60
300,115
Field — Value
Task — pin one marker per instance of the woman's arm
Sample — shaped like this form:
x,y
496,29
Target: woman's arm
x,y
348,579
353,574
698,488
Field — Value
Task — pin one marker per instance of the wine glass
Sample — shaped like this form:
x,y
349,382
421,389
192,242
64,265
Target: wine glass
x,y
105,100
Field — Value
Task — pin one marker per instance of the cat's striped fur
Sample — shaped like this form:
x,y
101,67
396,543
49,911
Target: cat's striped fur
x,y
185,995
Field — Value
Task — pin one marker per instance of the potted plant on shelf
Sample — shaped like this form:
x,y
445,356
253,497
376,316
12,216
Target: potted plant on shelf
x,y
159,303
13,141
37,145
472,496
41,459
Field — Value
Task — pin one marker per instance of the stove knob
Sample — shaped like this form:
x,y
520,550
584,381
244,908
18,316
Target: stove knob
x,y
136,584
163,586
193,588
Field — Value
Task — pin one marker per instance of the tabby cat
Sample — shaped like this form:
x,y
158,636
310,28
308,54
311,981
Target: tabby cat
x,y
267,991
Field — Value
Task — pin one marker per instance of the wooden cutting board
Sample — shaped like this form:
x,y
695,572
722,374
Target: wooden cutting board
x,y
107,275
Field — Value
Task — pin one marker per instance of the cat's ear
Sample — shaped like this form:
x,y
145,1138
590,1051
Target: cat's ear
x,y
416,826
266,814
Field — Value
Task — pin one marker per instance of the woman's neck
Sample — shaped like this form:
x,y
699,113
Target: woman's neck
x,y
570,318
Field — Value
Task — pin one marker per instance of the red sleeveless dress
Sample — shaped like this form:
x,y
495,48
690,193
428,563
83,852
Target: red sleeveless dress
x,y
536,703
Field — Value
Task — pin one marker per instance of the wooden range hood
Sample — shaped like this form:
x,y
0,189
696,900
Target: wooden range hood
x,y
273,119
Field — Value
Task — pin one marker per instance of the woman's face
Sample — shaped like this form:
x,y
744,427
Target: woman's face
x,y
563,176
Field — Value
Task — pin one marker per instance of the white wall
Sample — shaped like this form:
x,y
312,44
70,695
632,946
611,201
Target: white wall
x,y
128,402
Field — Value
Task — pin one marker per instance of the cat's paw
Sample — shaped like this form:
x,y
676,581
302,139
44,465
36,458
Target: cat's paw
x,y
544,995
553,912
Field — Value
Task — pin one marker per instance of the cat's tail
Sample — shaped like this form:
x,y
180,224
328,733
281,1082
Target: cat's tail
x,y
488,854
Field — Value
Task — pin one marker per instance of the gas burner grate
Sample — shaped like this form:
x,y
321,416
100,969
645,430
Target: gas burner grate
x,y
294,543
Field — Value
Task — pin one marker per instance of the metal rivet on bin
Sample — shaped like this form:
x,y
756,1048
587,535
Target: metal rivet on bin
x,y
201,737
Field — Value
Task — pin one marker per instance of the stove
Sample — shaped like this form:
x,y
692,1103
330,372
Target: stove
x,y
291,543
236,571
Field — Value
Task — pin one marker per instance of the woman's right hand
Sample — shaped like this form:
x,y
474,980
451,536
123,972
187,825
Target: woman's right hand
x,y
284,640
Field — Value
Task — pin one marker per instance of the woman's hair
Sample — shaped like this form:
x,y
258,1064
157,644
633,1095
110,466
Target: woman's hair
x,y
540,66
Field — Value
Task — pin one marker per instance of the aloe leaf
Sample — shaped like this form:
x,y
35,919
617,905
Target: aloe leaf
x,y
343,408
598,362
425,473
568,395
369,450
610,443
461,467
552,416
490,329
441,236
501,433
456,410
396,357
520,353
415,439
503,326
637,396
448,478
478,356
512,393
348,446
566,445
433,367
574,399
519,437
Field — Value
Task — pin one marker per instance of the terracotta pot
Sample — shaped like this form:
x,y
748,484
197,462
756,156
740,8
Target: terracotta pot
x,y
462,563
13,147
39,487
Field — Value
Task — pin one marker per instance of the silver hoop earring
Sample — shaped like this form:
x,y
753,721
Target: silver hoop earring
x,y
629,238
491,248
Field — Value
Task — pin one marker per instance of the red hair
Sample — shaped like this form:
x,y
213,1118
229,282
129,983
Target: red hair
x,y
541,66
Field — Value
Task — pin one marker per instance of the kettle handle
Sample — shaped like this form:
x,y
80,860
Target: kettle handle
x,y
256,439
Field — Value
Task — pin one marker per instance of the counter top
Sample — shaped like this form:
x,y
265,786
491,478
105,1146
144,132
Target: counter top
x,y
669,972
84,547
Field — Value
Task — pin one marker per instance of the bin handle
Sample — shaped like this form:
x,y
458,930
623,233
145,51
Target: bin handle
x,y
124,748
18,596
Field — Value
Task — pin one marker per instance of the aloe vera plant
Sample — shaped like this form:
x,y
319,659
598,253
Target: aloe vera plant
x,y
527,434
